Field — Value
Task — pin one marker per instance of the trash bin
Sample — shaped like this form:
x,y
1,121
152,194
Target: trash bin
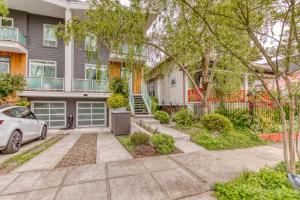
x,y
120,122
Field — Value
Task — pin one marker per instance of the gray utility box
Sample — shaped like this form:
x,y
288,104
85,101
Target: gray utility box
x,y
120,122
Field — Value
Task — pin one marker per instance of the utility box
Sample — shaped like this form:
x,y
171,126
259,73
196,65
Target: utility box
x,y
120,122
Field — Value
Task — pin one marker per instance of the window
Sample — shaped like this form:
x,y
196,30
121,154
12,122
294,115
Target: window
x,y
90,43
4,64
42,68
173,81
123,72
49,36
91,72
7,22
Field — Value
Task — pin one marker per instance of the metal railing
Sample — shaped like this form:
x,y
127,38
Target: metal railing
x,y
44,84
86,85
12,34
146,97
130,96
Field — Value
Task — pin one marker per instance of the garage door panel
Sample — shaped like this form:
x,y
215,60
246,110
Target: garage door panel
x,y
91,114
53,113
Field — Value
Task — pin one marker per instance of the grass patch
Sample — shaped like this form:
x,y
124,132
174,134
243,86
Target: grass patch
x,y
22,158
238,138
124,140
268,183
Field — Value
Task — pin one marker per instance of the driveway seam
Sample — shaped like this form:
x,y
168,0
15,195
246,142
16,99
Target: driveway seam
x,y
60,186
10,183
108,193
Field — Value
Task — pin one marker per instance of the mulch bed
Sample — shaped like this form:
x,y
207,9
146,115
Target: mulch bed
x,y
83,152
139,154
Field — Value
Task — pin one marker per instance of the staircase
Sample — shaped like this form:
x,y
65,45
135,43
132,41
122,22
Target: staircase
x,y
140,107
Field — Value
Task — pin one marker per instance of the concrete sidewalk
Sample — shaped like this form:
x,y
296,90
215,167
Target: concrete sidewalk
x,y
51,157
181,176
109,149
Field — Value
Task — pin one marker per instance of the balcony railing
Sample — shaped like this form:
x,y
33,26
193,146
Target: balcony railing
x,y
44,84
84,85
12,34
125,50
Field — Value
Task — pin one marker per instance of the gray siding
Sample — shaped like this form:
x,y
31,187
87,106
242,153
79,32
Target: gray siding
x,y
71,105
80,59
20,20
36,50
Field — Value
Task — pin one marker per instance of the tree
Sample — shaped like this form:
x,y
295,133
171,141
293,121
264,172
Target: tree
x,y
3,8
234,23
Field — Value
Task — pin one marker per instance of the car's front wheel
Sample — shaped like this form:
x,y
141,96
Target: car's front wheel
x,y
44,133
14,142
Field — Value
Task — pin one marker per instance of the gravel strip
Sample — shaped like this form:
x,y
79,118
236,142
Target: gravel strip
x,y
83,152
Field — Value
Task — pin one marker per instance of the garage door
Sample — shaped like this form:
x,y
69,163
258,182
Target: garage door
x,y
90,114
53,113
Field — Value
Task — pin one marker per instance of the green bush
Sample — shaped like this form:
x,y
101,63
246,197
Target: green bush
x,y
184,118
119,86
139,138
217,122
10,83
117,101
162,116
23,103
268,183
154,104
164,144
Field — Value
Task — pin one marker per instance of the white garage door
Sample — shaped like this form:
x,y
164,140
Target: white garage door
x,y
53,113
91,114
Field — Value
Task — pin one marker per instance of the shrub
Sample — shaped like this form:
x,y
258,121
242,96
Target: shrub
x,y
139,138
162,116
117,101
164,144
217,122
154,104
145,150
119,86
9,84
268,184
184,118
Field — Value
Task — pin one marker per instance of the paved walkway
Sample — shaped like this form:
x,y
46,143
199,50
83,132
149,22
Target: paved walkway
x,y
51,157
110,149
181,176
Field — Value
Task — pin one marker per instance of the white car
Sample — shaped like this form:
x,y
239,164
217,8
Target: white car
x,y
17,126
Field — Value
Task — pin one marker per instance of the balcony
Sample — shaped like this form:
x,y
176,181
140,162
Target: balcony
x,y
123,52
12,40
84,85
44,84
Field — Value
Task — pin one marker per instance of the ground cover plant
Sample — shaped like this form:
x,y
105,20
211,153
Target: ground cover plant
x,y
141,145
184,118
22,158
268,183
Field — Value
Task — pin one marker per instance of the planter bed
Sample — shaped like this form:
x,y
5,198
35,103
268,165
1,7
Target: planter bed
x,y
273,137
83,152
135,152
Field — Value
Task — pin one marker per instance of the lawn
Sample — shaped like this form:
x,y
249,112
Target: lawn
x,y
238,138
22,158
268,183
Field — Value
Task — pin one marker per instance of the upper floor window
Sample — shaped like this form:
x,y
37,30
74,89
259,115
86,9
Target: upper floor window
x,y
4,64
7,22
49,36
90,43
173,81
42,68
91,72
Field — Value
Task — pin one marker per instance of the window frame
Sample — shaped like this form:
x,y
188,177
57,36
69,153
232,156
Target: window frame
x,y
8,68
7,18
49,65
171,79
48,45
94,67
86,40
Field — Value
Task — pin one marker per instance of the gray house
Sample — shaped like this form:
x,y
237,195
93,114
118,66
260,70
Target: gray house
x,y
60,80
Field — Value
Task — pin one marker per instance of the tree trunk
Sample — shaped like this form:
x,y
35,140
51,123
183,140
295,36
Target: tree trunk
x,y
298,139
205,82
292,135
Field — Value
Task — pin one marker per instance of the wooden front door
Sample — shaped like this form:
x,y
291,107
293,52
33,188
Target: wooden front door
x,y
136,81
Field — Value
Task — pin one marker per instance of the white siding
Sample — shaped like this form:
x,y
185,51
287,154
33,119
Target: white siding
x,y
172,95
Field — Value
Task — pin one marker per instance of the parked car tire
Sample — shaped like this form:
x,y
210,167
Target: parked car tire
x,y
14,143
44,133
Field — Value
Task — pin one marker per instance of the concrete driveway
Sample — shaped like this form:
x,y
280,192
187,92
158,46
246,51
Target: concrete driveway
x,y
182,176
